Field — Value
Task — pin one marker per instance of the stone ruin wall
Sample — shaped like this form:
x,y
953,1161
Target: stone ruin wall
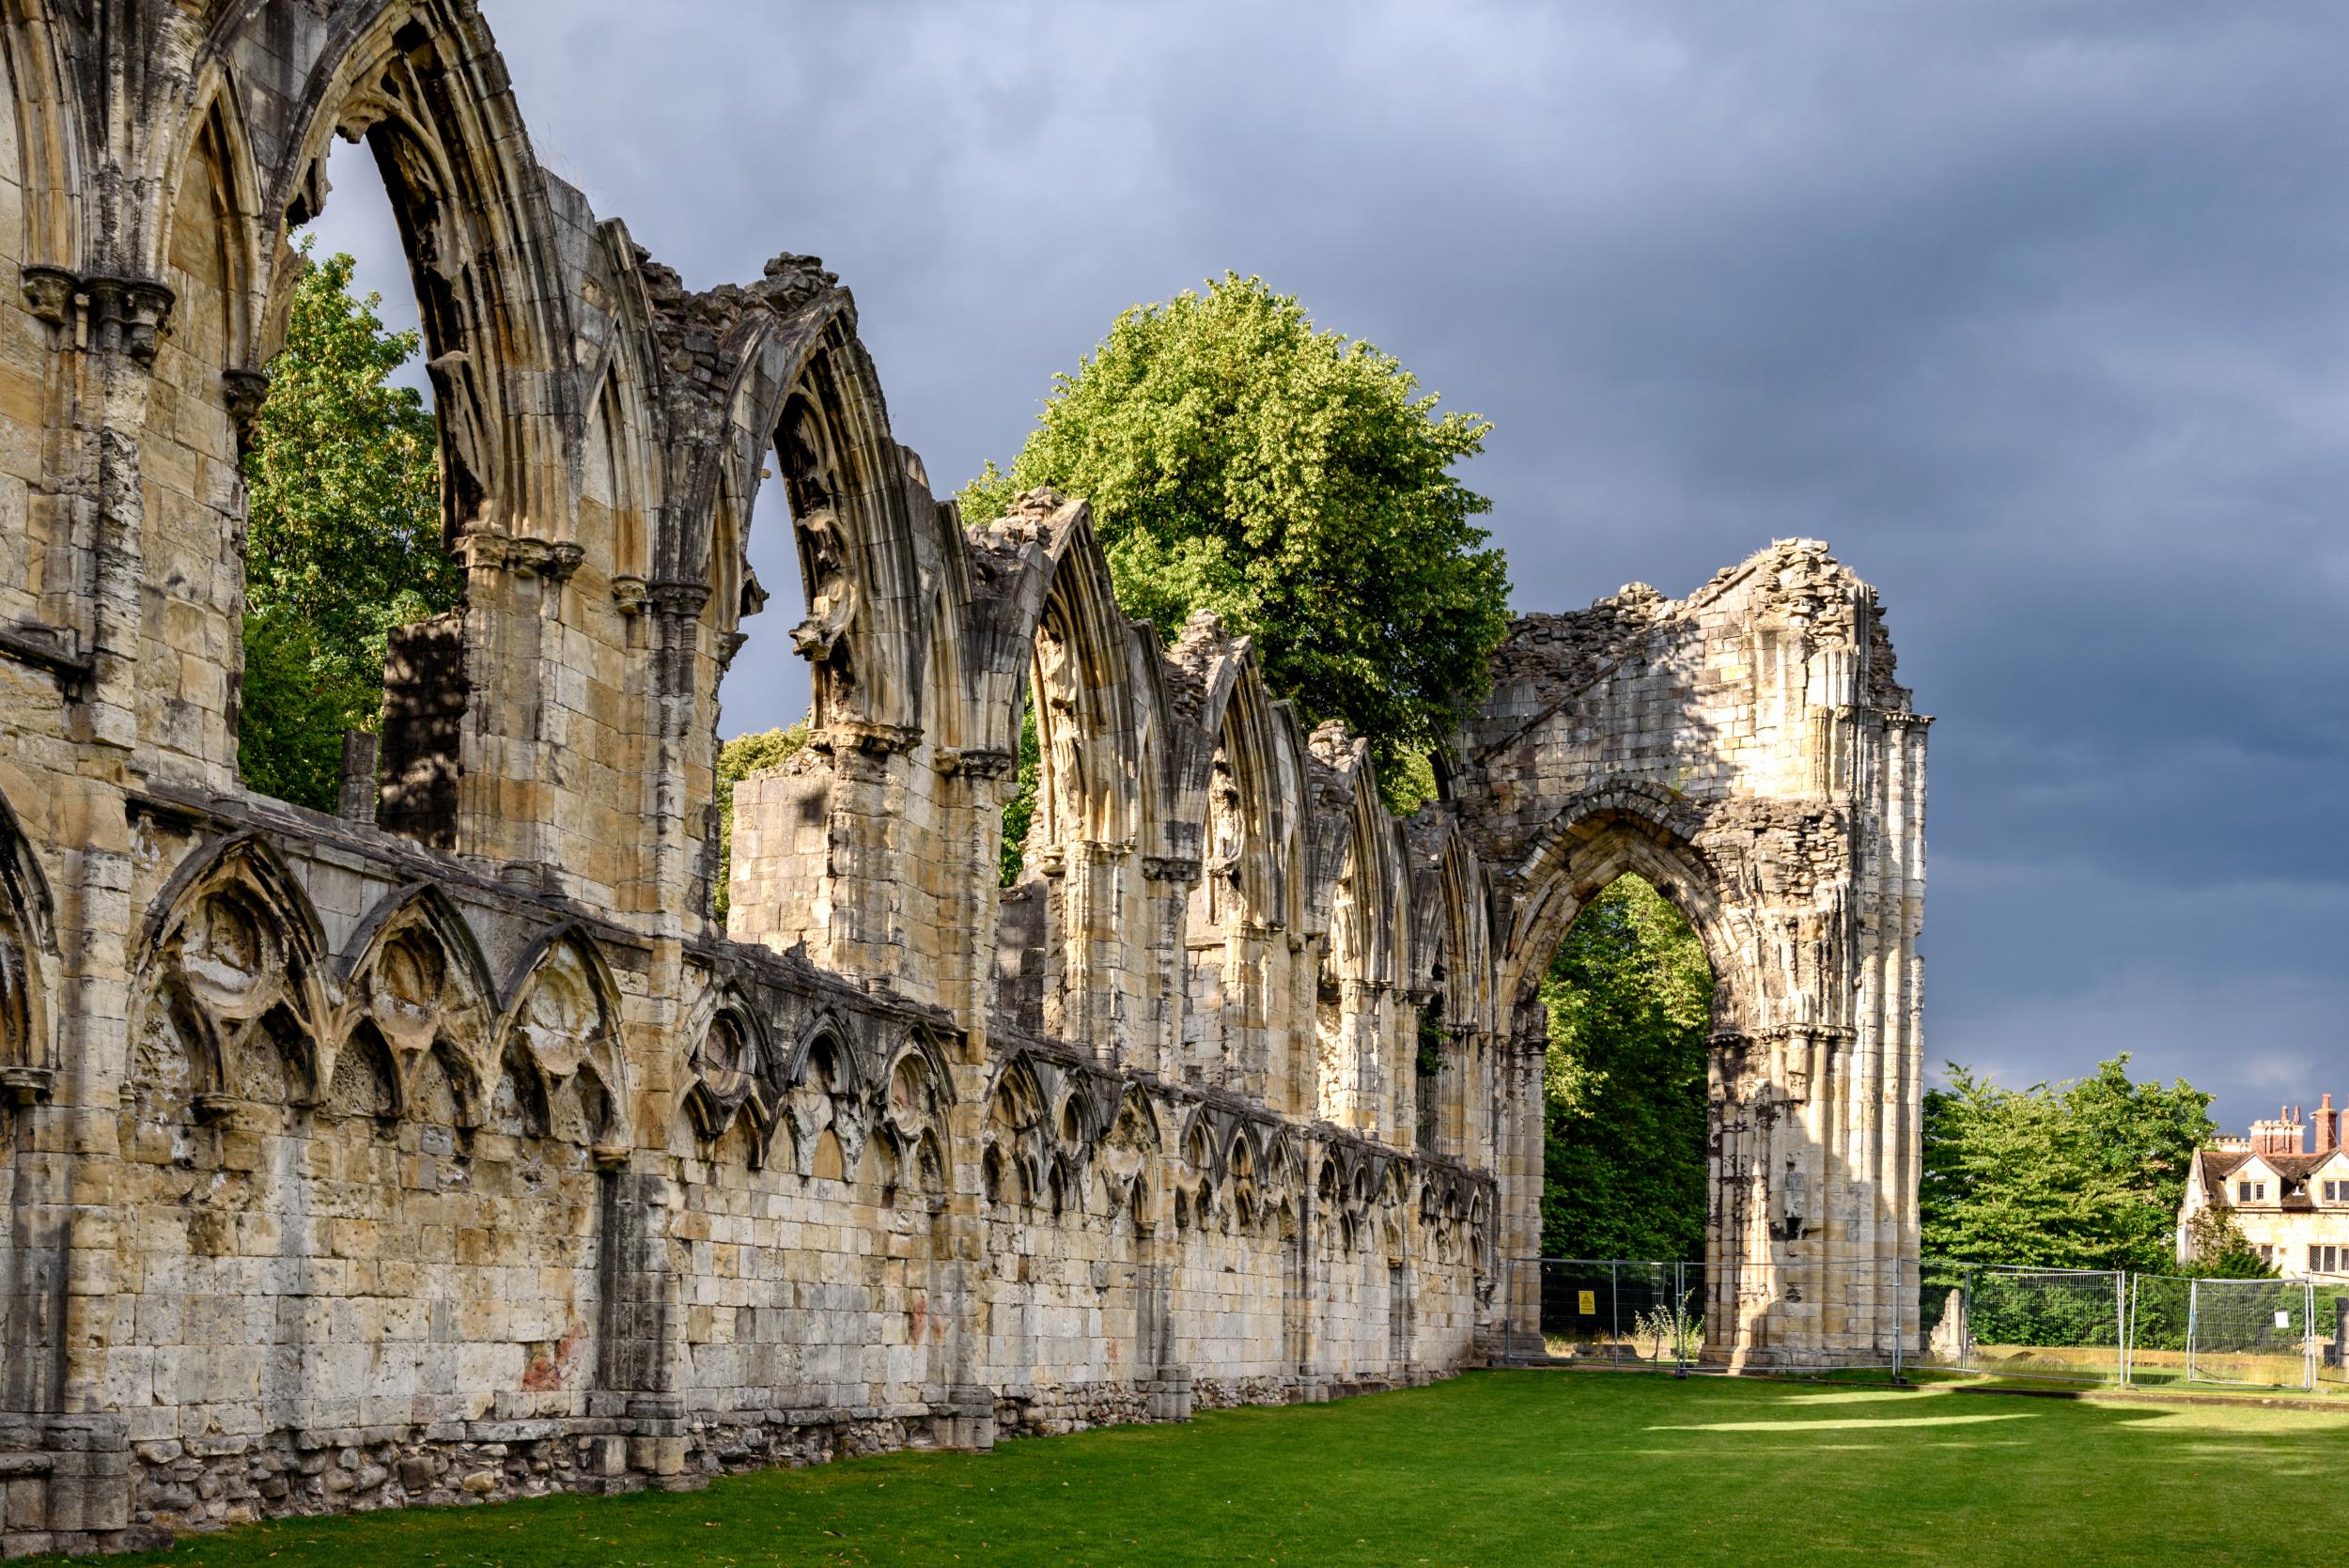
x,y
447,1148
1749,750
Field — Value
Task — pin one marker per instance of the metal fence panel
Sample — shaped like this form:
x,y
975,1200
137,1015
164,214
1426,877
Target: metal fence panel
x,y
2090,1326
2331,1330
2068,1325
1603,1310
2238,1334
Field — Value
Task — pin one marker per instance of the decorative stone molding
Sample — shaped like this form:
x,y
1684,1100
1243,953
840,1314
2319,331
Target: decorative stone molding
x,y
678,598
128,315
26,1086
975,764
863,735
51,292
244,391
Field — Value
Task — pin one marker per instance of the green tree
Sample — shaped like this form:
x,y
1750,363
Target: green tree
x,y
2085,1174
343,539
1019,811
2146,1134
738,759
1299,485
1630,999
2220,1249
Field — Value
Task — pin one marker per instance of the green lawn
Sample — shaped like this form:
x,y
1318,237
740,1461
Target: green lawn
x,y
1504,1468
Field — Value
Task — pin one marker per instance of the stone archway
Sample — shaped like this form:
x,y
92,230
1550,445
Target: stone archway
x,y
1747,751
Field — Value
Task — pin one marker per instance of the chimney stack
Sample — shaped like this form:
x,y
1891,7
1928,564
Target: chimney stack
x,y
2327,1127
2281,1136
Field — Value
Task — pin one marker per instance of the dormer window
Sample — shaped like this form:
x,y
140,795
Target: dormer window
x,y
2251,1192
2337,1192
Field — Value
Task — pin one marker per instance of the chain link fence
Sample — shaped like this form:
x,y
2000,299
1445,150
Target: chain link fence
x,y
2332,1328
2065,1323
2061,1325
1688,1316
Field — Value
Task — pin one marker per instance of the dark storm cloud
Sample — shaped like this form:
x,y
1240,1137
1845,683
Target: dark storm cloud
x,y
2037,313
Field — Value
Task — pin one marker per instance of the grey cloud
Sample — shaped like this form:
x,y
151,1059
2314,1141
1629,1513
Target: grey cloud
x,y
2039,313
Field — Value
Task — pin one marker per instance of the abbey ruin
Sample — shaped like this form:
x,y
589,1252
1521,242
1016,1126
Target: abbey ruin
x,y
447,1147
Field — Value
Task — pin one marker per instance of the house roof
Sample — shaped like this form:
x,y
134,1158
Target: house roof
x,y
2218,1164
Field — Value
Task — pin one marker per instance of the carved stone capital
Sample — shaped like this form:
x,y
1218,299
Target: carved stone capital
x,y
975,764
244,391
677,597
50,292
484,550
129,315
552,560
863,735
1183,870
25,1085
629,595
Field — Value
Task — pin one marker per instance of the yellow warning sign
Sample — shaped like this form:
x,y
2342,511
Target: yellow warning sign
x,y
1587,1303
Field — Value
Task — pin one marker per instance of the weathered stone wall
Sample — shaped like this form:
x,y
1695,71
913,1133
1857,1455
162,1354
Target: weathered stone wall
x,y
446,1147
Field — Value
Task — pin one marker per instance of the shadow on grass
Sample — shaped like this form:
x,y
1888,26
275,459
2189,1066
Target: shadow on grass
x,y
1489,1468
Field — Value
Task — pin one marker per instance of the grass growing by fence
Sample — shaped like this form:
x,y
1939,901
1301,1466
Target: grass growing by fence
x,y
1528,1468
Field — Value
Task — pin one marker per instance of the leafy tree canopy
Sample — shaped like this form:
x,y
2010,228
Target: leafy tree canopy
x,y
1630,999
1299,485
2082,1174
343,538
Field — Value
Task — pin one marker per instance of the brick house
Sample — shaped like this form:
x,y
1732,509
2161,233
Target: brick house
x,y
2289,1191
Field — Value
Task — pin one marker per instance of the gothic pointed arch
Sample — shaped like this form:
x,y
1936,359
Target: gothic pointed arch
x,y
916,1090
1452,938
824,1095
212,241
622,490
416,972
1130,1152
804,387
564,1013
1017,1145
52,137
424,89
233,962
1095,784
1623,828
1252,849
734,1069
28,957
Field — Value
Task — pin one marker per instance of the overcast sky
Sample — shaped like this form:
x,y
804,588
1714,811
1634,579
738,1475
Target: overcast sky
x,y
2038,313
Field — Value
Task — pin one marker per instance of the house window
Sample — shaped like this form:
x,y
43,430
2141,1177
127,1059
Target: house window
x,y
2334,1193
2323,1260
2243,1192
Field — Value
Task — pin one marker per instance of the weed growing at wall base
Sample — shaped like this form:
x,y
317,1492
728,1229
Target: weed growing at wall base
x,y
1516,1468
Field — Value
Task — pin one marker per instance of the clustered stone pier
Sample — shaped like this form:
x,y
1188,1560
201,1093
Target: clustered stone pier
x,y
446,1147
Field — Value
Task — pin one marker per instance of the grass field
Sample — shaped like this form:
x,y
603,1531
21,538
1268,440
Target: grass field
x,y
1509,1468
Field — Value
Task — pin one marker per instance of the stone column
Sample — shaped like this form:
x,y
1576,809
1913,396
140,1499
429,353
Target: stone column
x,y
1167,882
